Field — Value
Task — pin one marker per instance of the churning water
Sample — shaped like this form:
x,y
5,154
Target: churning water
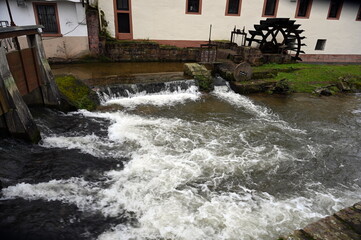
x,y
178,164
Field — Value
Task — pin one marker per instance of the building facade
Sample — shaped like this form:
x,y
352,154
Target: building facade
x,y
332,27
65,35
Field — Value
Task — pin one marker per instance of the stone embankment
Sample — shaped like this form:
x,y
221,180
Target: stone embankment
x,y
343,225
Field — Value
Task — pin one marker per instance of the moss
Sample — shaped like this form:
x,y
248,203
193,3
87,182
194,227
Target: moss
x,y
76,92
205,84
305,78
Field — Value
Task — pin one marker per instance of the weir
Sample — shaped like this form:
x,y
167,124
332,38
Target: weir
x,y
25,79
127,90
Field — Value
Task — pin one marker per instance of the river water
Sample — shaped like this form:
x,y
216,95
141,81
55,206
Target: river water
x,y
183,165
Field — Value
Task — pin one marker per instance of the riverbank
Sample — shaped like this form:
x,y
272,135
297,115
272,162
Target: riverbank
x,y
307,78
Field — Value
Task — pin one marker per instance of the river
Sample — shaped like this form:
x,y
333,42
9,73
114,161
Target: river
x,y
183,165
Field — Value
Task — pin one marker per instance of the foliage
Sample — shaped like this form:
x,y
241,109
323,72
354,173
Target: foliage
x,y
306,78
76,92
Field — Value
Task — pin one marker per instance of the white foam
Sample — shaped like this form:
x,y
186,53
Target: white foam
x,y
188,180
260,112
226,94
179,181
163,98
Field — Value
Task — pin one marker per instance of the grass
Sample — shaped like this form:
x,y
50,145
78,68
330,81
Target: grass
x,y
305,78
76,92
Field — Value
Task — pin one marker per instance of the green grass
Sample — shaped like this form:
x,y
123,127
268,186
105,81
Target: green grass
x,y
305,78
76,92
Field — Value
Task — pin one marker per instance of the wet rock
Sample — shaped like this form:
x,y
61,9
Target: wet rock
x,y
76,93
201,74
343,85
344,224
323,91
296,235
357,206
225,70
281,87
351,217
330,228
252,86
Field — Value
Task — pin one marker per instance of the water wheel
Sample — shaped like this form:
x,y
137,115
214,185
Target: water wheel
x,y
278,35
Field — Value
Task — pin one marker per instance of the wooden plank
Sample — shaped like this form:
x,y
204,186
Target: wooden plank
x,y
18,119
16,69
29,69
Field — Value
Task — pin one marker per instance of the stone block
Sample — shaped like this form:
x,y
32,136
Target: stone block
x,y
330,228
352,217
296,235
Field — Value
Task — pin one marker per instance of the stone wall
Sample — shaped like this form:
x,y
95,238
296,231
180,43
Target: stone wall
x,y
92,19
149,51
252,55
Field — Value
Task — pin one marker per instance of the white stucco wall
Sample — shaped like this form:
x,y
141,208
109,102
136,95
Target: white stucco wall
x,y
107,7
166,20
73,27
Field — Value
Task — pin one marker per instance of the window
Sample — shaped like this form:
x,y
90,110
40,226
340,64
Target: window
x,y
358,18
335,9
233,7
46,14
194,6
122,5
270,8
123,21
320,45
303,8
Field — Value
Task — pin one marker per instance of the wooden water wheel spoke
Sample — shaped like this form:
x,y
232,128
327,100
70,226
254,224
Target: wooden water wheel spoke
x,y
267,35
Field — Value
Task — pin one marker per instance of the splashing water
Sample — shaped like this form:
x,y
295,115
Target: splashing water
x,y
189,179
167,96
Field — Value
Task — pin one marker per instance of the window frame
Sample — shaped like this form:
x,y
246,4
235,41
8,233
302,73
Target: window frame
x,y
275,10
195,13
308,12
358,16
233,14
118,35
44,34
338,12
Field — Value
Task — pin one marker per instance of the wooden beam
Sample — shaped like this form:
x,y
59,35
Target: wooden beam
x,y
49,89
18,118
11,32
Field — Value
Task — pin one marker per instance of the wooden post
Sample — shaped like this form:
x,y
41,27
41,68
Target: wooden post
x,y
48,86
18,118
